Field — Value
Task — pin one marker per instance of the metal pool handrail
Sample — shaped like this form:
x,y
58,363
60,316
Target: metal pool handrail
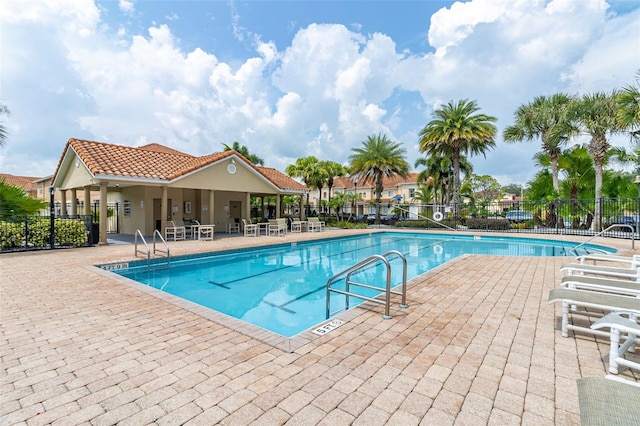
x,y
615,225
135,246
166,246
357,267
148,252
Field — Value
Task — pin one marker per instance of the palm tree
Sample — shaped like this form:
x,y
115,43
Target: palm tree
x,y
457,129
438,173
307,169
378,158
544,118
595,114
332,170
245,152
3,130
628,111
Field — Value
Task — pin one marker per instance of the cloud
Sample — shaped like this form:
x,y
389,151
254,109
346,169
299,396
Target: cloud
x,y
70,75
126,7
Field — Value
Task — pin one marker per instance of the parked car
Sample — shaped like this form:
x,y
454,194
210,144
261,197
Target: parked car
x,y
626,220
518,216
390,219
371,218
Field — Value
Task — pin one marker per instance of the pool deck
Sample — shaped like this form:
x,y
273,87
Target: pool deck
x,y
479,344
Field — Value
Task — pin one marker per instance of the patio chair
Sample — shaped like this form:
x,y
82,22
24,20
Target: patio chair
x,y
232,226
572,299
608,401
277,227
315,224
620,326
298,225
188,231
171,230
205,232
250,229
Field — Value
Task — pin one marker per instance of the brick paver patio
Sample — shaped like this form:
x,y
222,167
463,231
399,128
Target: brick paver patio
x,y
479,344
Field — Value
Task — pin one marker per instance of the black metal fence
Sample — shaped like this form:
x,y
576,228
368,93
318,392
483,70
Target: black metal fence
x,y
46,232
575,217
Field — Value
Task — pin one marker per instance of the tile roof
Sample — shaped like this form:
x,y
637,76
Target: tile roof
x,y
27,183
387,182
155,161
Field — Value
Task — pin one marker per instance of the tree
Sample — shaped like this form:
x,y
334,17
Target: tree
x,y
15,202
595,114
544,118
457,129
245,153
485,188
3,130
628,108
337,202
307,169
439,173
378,158
332,170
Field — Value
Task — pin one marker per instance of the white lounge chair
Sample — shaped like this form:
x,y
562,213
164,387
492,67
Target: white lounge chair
x,y
619,326
607,285
608,401
250,230
572,299
630,261
605,271
171,230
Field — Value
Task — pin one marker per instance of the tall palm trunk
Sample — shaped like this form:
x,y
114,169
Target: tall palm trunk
x,y
456,182
598,148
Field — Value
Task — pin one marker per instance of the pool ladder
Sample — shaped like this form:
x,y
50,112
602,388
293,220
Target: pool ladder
x,y
148,250
384,258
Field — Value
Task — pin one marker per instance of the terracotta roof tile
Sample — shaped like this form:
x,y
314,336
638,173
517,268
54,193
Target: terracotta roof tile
x,y
155,161
25,182
280,179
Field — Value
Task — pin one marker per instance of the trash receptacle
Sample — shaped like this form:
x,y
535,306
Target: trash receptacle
x,y
95,233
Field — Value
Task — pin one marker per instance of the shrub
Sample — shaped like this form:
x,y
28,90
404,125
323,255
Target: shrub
x,y
427,224
487,224
67,233
350,225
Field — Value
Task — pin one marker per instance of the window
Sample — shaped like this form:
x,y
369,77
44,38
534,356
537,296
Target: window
x,y
390,193
412,192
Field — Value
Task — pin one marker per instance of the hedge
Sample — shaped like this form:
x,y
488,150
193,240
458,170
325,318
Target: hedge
x,y
67,233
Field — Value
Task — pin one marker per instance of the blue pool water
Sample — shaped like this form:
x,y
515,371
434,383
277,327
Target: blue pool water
x,y
282,288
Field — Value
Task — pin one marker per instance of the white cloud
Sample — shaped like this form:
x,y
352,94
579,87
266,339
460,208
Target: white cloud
x,y
321,95
127,7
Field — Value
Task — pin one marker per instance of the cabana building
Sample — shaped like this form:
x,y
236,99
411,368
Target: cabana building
x,y
155,183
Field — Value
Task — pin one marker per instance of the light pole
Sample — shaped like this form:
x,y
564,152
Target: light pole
x,y
637,215
52,215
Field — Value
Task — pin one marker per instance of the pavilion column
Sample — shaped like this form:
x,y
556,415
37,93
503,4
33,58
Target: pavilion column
x,y
164,205
87,201
211,209
278,212
103,213
63,202
301,207
247,208
74,202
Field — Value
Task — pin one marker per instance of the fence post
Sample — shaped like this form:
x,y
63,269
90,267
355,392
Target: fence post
x,y
52,215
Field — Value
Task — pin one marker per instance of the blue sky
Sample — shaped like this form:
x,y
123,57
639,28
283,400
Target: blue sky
x,y
295,78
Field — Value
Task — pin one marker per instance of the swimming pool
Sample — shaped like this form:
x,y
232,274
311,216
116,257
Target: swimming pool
x,y
282,288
